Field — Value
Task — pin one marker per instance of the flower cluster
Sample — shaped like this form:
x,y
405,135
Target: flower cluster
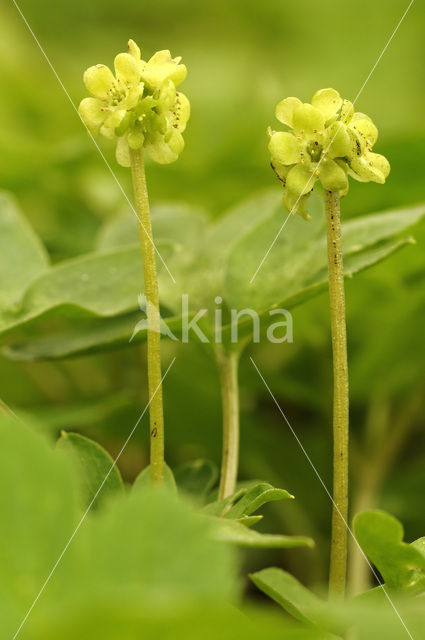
x,y
326,141
139,106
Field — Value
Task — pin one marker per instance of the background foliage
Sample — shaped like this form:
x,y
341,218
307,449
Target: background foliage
x,y
243,57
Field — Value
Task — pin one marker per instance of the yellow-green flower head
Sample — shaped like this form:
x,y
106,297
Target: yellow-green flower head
x,y
326,141
139,106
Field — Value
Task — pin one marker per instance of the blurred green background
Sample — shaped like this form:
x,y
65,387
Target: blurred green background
x,y
243,56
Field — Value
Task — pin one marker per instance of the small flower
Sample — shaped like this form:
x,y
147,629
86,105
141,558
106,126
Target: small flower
x,y
326,142
139,106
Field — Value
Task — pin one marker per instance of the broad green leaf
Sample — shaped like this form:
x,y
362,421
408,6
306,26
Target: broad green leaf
x,y
112,620
38,506
97,475
180,223
87,336
234,532
196,478
214,261
297,600
254,498
296,266
104,284
22,255
380,535
143,480
153,544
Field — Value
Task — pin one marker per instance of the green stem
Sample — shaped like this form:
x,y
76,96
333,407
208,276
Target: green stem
x,y
156,414
228,370
338,563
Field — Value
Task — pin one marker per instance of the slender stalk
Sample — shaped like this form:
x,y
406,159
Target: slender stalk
x,y
228,370
338,563
156,414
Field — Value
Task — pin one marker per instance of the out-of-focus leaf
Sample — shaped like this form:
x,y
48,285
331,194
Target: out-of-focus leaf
x,y
129,620
99,284
97,475
143,480
196,478
234,532
381,535
87,336
22,255
296,266
38,506
297,600
180,223
219,262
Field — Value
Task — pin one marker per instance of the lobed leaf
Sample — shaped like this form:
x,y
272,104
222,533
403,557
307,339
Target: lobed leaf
x,y
234,532
96,473
380,535
196,478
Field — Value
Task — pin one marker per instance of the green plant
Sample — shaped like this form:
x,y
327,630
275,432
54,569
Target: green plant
x,y
107,554
329,141
141,108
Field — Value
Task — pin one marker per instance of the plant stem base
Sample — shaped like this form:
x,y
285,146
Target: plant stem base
x,y
228,369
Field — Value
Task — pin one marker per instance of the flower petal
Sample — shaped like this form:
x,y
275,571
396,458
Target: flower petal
x,y
328,101
280,170
114,118
296,204
338,140
308,118
98,80
91,113
300,181
162,67
285,110
135,139
284,148
332,176
159,150
134,50
107,132
364,125
127,69
370,167
347,111
133,96
182,111
122,152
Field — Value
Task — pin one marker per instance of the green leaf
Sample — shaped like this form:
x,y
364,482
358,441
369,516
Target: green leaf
x,y
38,506
297,600
233,532
104,284
94,467
249,521
85,337
206,261
380,535
182,224
196,478
296,266
254,498
219,507
143,480
22,255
